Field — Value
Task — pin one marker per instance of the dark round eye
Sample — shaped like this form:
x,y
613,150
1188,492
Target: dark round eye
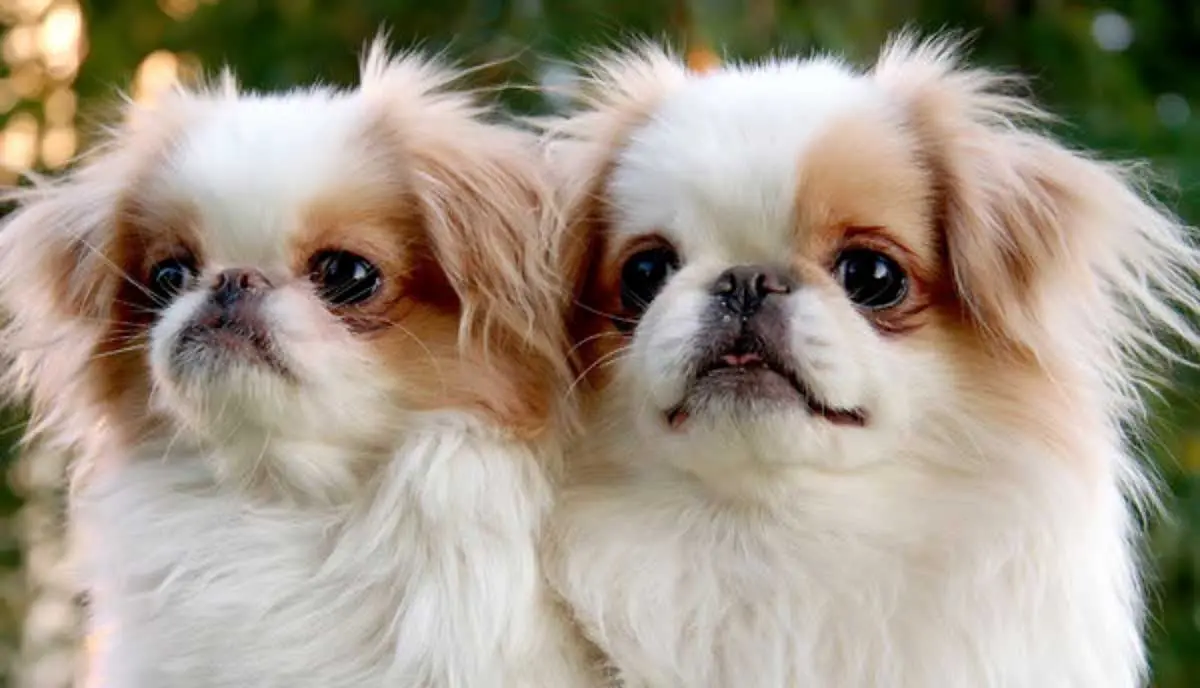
x,y
170,277
643,276
344,278
871,279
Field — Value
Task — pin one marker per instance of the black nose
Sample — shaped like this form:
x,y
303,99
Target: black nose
x,y
743,288
234,284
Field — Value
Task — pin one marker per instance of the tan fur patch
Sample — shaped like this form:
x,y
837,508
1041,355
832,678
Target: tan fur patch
x,y
863,186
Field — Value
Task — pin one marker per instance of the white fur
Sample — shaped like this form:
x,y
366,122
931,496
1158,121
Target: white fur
x,y
888,578
247,168
239,527
429,579
739,170
951,542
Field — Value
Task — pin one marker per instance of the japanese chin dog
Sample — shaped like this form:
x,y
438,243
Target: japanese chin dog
x,y
304,346
862,354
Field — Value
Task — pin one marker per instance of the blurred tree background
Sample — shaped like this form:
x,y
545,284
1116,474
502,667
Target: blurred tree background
x,y
1124,74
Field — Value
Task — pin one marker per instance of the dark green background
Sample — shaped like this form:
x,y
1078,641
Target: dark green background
x,y
1108,100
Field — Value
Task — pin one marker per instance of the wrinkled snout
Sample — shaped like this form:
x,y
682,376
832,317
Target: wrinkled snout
x,y
229,323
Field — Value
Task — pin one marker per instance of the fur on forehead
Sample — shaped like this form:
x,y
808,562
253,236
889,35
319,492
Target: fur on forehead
x,y
478,190
1055,256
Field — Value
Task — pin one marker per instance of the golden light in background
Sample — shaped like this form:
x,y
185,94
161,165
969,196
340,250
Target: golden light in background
x,y
178,9
58,145
157,73
20,44
8,97
42,49
28,9
59,37
28,80
701,59
59,107
19,142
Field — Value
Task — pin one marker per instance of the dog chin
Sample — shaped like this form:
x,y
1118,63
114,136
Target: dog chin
x,y
746,389
737,437
737,442
201,352
216,392
211,375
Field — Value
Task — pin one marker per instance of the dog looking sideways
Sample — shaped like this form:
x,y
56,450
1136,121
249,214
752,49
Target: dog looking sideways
x,y
308,349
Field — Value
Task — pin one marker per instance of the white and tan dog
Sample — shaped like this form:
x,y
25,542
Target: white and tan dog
x,y
308,348
862,351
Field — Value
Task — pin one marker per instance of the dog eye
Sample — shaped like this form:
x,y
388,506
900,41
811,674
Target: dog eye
x,y
344,278
871,279
643,276
170,277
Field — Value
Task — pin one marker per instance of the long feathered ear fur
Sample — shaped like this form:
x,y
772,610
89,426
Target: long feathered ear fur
x,y
58,280
1054,254
488,208
55,289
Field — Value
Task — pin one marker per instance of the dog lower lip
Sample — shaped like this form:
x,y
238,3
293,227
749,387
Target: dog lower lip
x,y
678,415
231,337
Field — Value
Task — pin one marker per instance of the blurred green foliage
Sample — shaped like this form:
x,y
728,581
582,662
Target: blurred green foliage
x,y
1123,74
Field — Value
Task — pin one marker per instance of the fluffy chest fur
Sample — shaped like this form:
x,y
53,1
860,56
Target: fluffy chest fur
x,y
855,581
429,579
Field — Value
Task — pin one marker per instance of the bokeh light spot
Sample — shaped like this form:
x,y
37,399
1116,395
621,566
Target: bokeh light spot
x,y
178,10
1173,110
18,145
58,145
28,80
60,107
21,43
158,72
1112,31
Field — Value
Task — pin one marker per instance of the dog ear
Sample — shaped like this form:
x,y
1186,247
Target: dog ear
x,y
1042,241
487,209
56,286
60,274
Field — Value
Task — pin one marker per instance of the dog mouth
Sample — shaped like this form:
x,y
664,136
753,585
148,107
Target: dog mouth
x,y
216,339
756,375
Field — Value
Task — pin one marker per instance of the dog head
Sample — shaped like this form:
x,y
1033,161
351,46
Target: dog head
x,y
289,278
796,263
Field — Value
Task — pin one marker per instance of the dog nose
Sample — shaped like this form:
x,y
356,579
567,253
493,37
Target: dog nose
x,y
743,288
233,284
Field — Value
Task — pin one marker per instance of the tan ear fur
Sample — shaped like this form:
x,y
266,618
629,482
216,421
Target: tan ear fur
x,y
59,275
55,288
1054,254
487,208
